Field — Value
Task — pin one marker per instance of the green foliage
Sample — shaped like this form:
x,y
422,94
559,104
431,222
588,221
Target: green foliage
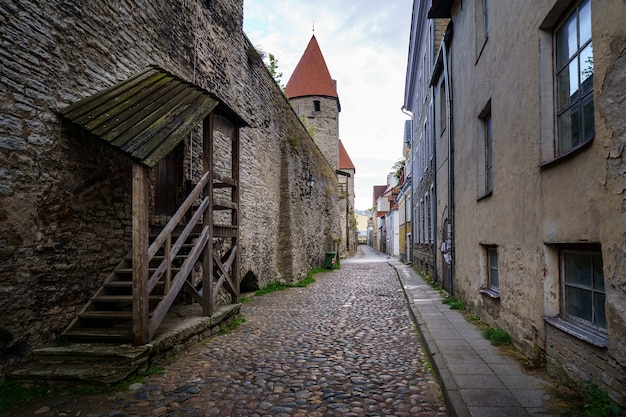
x,y
454,303
12,393
576,395
473,317
237,321
597,402
273,68
497,336
398,169
537,360
427,278
273,286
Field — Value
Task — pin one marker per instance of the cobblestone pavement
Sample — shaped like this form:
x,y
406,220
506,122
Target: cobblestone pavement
x,y
344,345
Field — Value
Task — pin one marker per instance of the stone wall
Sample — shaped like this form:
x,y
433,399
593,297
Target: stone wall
x,y
66,198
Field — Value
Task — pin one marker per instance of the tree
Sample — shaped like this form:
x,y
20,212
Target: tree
x,y
273,68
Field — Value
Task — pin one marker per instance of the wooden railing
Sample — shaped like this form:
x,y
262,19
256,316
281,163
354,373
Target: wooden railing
x,y
144,325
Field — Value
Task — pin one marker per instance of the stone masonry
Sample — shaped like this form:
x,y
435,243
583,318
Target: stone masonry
x,y
65,206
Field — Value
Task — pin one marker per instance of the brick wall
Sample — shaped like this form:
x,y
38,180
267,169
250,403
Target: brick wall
x,y
66,198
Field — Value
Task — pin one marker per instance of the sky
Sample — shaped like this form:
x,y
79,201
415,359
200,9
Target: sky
x,y
365,46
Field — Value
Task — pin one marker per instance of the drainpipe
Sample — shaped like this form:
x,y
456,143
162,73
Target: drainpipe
x,y
446,76
433,171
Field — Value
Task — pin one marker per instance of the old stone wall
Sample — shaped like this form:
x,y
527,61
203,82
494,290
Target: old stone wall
x,y
66,198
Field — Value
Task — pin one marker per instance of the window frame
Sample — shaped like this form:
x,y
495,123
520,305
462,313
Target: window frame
x,y
485,159
562,111
590,251
490,268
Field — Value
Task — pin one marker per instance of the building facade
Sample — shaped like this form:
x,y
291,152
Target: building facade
x,y
528,137
425,162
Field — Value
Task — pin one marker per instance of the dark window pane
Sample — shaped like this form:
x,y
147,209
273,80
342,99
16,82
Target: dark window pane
x,y
598,274
578,303
589,130
598,309
577,269
566,42
569,129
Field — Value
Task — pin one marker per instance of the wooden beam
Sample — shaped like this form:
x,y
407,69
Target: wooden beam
x,y
207,253
140,254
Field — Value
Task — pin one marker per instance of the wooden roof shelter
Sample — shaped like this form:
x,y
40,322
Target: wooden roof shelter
x,y
146,117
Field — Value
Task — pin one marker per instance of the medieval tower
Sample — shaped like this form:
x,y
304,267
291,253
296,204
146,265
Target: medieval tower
x,y
313,95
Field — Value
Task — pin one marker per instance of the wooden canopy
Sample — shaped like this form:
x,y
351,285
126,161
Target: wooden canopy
x,y
145,116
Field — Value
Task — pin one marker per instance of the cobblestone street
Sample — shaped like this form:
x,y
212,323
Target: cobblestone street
x,y
344,345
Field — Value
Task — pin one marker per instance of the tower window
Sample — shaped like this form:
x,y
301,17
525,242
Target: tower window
x,y
317,105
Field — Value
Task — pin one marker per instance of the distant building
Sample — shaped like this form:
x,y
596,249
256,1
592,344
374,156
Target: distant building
x,y
313,94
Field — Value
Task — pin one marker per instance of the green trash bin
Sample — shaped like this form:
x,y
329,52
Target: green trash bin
x,y
329,262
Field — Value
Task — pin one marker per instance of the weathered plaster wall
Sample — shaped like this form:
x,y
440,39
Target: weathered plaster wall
x,y
65,198
534,209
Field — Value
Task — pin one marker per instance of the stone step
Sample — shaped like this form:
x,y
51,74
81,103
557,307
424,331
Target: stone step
x,y
82,363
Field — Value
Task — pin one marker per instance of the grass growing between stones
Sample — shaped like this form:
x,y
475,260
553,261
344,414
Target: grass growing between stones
x,y
13,393
497,336
571,397
454,303
279,286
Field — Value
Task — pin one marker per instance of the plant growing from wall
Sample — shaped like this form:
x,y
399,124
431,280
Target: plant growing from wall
x,y
273,68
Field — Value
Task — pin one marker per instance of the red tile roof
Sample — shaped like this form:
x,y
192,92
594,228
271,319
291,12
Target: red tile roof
x,y
344,159
378,191
311,76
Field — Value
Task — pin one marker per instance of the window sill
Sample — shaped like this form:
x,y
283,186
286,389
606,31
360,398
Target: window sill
x,y
490,292
566,156
484,196
591,337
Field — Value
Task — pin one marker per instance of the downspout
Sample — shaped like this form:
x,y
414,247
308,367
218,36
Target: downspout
x,y
446,77
433,170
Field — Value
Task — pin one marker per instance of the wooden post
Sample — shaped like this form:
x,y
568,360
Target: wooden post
x,y
207,252
234,270
140,254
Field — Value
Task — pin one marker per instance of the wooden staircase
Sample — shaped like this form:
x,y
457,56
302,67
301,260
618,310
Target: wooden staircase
x,y
108,316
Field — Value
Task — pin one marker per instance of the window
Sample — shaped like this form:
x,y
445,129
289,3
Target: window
x,y
583,286
482,26
488,155
443,111
485,152
492,268
574,80
317,106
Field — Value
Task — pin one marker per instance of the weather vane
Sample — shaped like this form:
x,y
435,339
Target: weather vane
x,y
314,27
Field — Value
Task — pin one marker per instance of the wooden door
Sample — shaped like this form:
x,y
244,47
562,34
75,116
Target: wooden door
x,y
168,187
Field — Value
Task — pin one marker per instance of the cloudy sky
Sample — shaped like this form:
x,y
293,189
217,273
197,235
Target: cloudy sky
x,y
365,45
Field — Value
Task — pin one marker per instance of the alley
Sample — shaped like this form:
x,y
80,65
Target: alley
x,y
344,345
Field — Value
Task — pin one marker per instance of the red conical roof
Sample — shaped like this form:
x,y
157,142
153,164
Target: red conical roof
x,y
311,76
344,159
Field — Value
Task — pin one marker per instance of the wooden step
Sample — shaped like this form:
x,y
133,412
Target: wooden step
x,y
121,298
106,314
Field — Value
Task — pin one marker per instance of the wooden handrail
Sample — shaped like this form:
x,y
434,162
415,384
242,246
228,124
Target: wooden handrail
x,y
156,276
178,216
